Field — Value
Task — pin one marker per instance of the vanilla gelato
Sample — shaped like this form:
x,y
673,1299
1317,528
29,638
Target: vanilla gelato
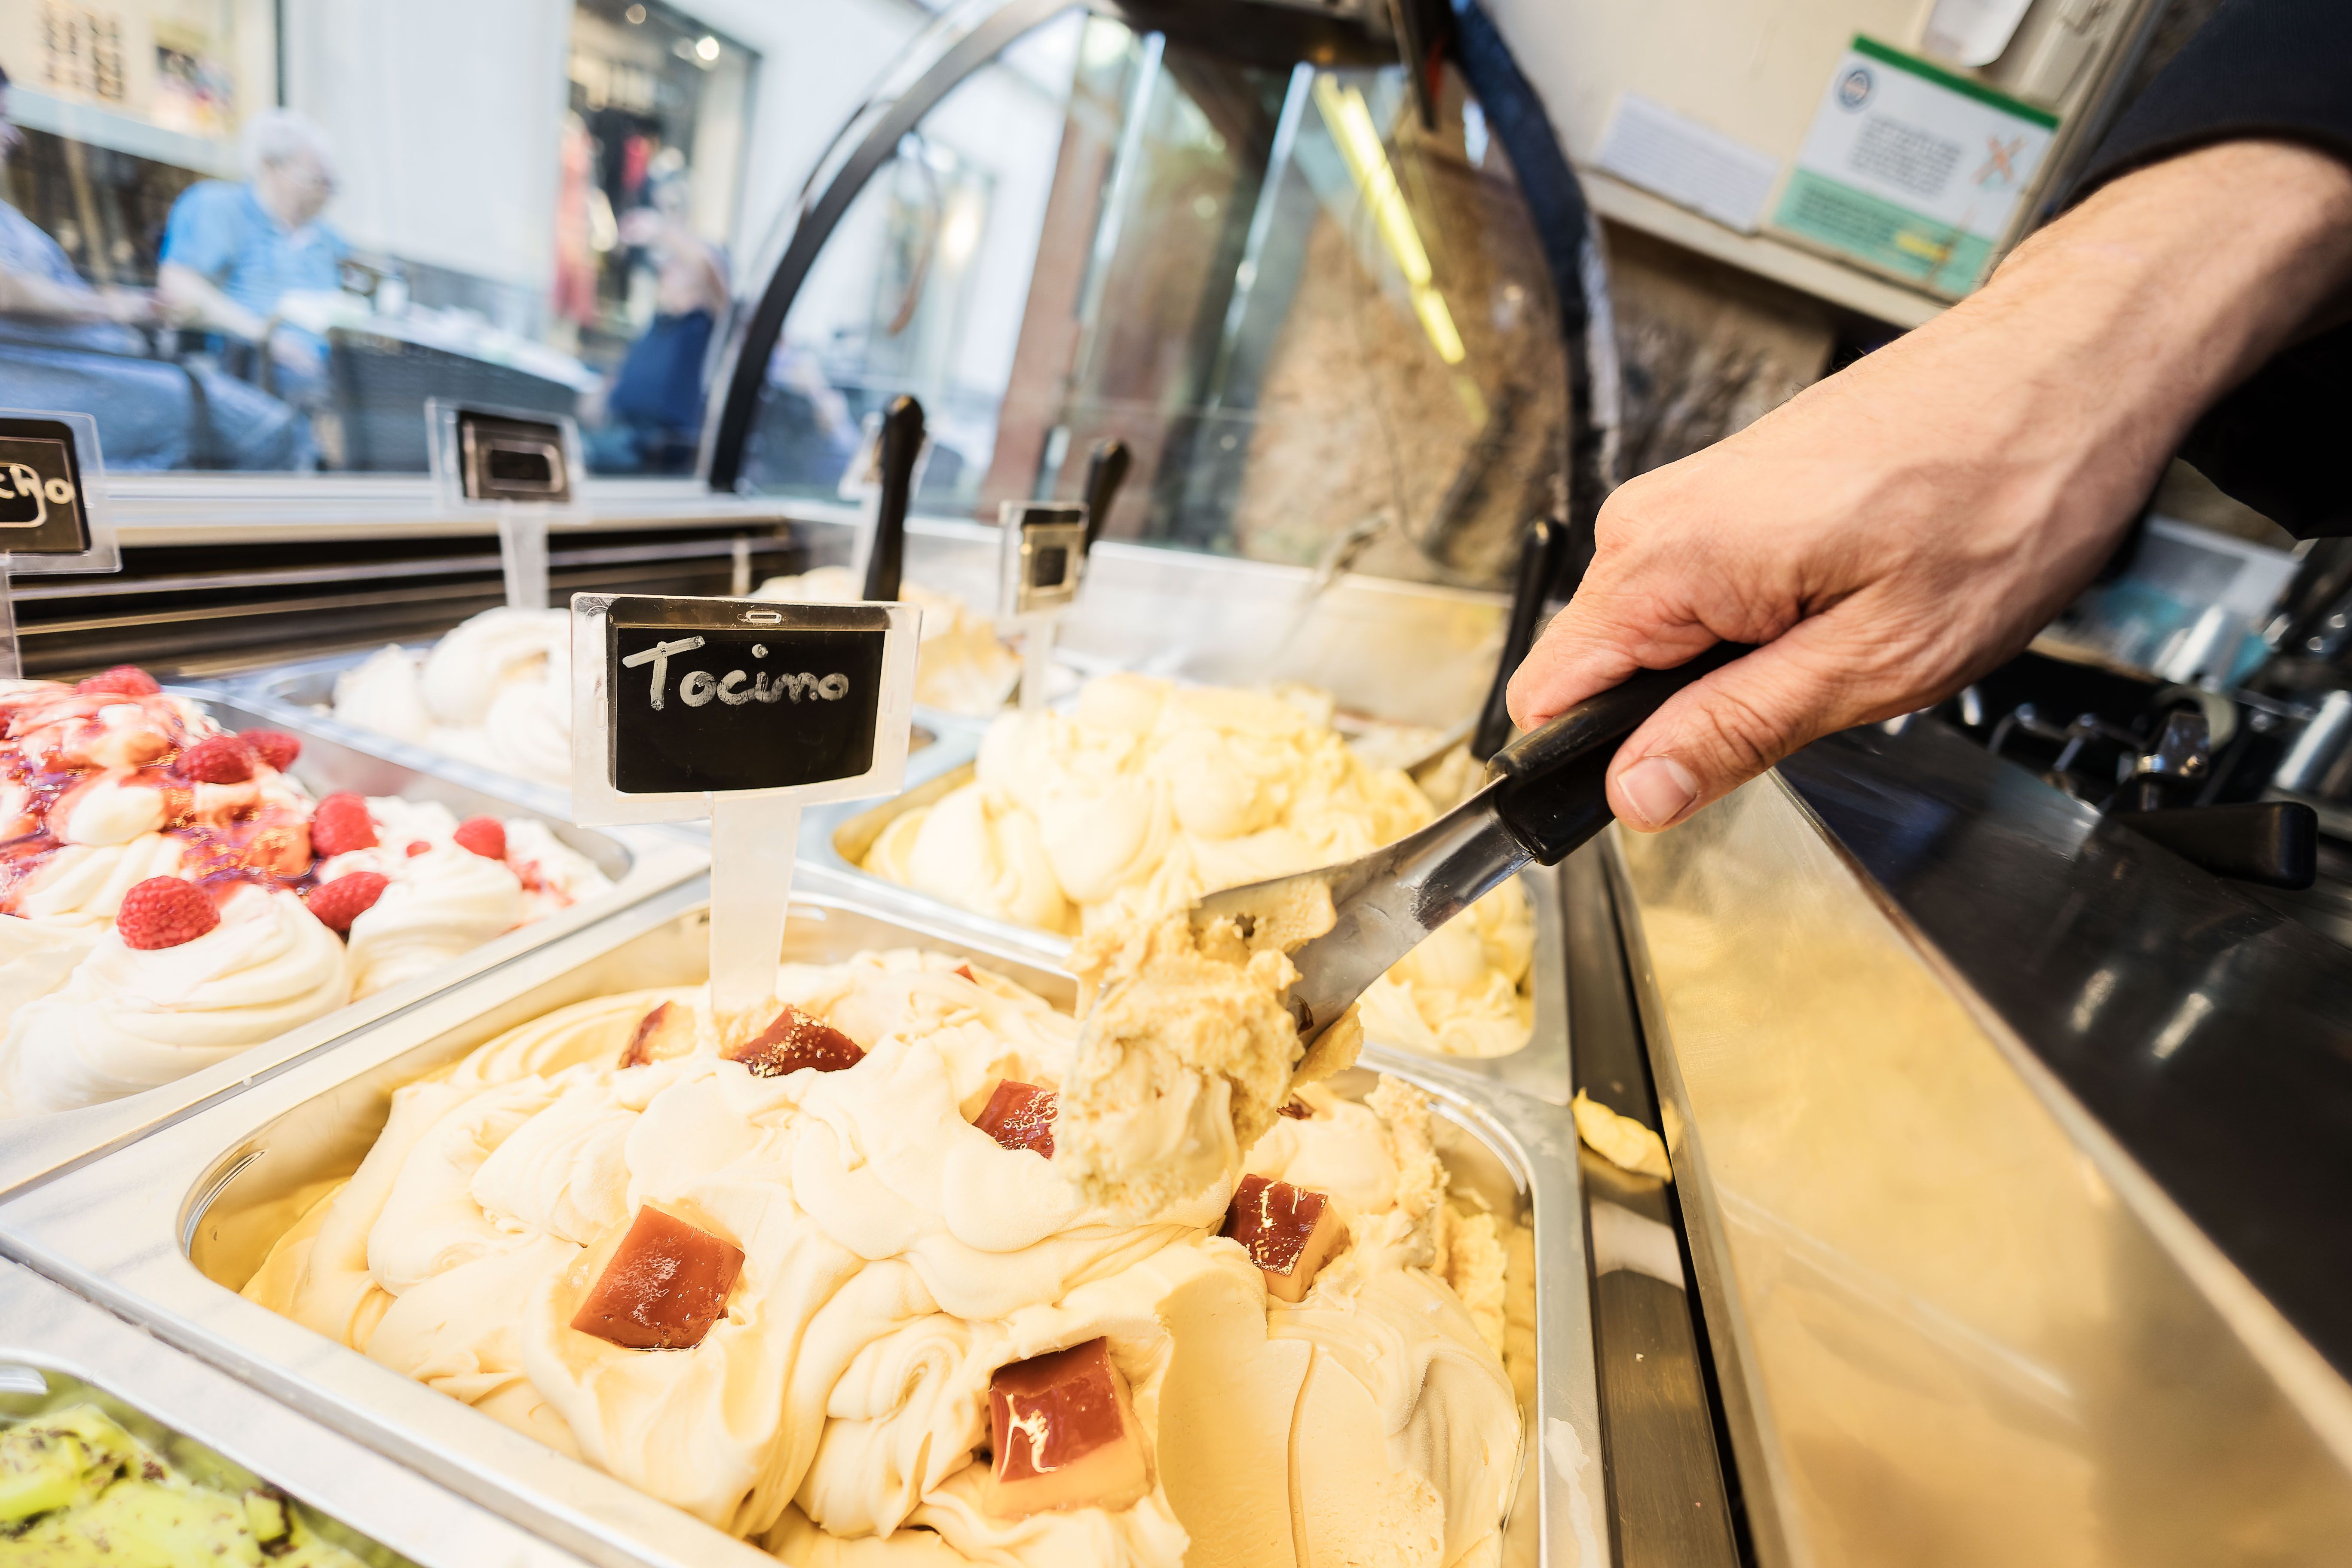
x,y
893,1263
108,792
961,666
496,691
1150,795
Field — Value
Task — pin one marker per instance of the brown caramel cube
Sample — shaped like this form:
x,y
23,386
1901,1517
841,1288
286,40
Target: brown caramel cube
x,y
1289,1233
1064,1433
1019,1116
663,1288
1297,1110
792,1041
667,1031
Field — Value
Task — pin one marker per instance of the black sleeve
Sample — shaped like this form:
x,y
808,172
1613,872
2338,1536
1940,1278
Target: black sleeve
x,y
2278,68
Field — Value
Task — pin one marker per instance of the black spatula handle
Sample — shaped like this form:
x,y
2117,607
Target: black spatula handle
x,y
1554,794
1106,471
902,446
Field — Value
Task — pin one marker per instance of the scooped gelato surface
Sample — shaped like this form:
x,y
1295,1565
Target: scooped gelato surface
x,y
170,896
495,691
907,1336
78,1492
963,665
1149,795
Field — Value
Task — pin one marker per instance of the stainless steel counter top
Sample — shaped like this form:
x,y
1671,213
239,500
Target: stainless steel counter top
x,y
2012,1153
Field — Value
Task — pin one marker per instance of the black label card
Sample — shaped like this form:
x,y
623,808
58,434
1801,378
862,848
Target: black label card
x,y
708,708
41,509
502,458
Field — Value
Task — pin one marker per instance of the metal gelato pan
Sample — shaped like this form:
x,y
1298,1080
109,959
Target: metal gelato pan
x,y
838,839
56,1350
164,1232
639,861
300,696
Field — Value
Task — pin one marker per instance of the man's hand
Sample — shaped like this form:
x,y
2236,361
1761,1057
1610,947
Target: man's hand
x,y
1904,526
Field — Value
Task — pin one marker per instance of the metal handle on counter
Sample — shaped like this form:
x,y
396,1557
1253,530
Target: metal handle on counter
x,y
1542,551
1554,792
901,446
1106,471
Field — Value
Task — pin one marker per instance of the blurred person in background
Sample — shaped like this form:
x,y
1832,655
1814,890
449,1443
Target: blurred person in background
x,y
232,251
651,414
37,278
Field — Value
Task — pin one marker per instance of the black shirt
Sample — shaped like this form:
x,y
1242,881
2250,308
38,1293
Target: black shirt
x,y
2283,69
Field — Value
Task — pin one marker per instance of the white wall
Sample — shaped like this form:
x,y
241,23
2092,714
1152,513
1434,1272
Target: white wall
x,y
444,116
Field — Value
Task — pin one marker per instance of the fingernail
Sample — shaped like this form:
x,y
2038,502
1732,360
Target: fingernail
x,y
1659,789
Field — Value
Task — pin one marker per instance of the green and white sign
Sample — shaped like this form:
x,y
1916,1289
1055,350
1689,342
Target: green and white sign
x,y
1911,169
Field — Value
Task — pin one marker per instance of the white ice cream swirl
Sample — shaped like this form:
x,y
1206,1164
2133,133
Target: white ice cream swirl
x,y
496,691
895,1256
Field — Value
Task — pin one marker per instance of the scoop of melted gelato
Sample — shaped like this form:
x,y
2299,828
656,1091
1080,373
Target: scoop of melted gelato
x,y
1149,795
495,691
961,666
894,1257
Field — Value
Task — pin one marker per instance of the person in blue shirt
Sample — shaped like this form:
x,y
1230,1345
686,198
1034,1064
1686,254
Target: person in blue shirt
x,y
231,251
651,414
37,278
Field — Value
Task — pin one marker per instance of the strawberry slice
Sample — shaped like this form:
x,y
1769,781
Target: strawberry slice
x,y
219,760
275,747
485,835
124,679
340,902
341,824
165,911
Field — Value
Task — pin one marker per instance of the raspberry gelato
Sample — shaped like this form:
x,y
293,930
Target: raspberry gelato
x,y
157,914
1149,795
963,665
496,691
858,1317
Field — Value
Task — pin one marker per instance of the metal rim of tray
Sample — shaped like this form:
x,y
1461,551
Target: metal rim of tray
x,y
115,1231
36,1148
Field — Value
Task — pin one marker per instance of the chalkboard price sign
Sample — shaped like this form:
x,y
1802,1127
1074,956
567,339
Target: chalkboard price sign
x,y
689,698
742,710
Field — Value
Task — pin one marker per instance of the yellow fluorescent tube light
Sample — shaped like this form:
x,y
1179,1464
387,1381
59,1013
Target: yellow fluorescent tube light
x,y
1345,111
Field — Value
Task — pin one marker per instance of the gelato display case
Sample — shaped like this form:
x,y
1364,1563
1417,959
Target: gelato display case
x,y
170,1232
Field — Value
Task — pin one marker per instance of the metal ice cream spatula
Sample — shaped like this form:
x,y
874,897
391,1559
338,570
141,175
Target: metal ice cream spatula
x,y
1544,796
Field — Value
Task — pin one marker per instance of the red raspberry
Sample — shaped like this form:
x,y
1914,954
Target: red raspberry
x,y
485,835
218,759
275,747
340,902
341,824
419,846
127,680
165,911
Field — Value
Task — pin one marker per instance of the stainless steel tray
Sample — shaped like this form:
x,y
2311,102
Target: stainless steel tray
x,y
640,862
300,696
163,1231
56,1350
838,838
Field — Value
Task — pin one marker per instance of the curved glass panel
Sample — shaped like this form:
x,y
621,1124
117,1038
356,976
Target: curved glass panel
x,y
1312,320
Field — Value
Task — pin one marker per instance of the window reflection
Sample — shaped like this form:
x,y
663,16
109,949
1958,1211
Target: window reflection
x,y
260,237
1310,318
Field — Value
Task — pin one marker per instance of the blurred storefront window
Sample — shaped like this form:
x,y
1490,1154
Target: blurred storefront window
x,y
259,234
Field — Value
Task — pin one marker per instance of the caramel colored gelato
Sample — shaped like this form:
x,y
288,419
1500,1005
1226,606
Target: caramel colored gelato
x,y
908,1269
1149,795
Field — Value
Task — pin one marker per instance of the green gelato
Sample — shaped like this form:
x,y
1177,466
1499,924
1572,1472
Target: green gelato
x,y
78,1492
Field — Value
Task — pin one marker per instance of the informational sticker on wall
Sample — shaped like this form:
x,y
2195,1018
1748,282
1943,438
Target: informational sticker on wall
x,y
1911,169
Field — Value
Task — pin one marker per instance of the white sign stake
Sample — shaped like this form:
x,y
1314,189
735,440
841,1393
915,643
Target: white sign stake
x,y
744,713
522,554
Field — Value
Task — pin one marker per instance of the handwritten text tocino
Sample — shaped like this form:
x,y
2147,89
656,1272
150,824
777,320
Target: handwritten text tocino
x,y
700,686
